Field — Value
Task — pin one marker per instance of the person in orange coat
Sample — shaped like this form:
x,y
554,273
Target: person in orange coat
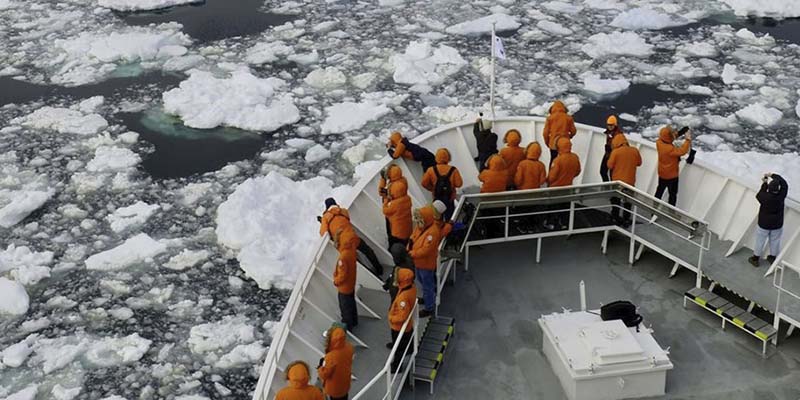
x,y
335,219
445,224
398,146
612,130
668,158
391,176
558,124
623,162
336,366
424,250
400,310
530,173
397,210
297,373
443,180
344,277
495,177
512,154
563,171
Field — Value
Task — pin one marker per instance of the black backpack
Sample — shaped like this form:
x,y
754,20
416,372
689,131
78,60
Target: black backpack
x,y
621,309
443,188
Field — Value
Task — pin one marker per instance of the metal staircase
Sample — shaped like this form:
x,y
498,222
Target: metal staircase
x,y
432,347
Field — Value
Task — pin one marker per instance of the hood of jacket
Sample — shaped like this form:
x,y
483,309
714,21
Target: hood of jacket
x,y
405,277
558,107
336,338
619,141
665,134
394,173
427,214
442,156
398,190
496,163
513,138
395,138
564,145
533,151
298,375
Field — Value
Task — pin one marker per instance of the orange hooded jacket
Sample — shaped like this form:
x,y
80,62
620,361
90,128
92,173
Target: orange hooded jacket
x,y
397,209
495,177
404,301
624,160
512,154
566,166
425,240
394,176
668,155
558,124
344,275
531,173
442,167
335,371
396,141
333,220
298,388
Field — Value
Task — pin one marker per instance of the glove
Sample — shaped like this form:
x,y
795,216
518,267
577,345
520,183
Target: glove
x,y
321,361
384,192
319,219
390,150
457,226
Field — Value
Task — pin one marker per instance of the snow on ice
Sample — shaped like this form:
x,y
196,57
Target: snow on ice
x,y
187,259
137,249
220,335
113,159
18,204
64,120
328,78
143,5
504,22
348,116
759,114
242,101
109,352
775,9
593,83
554,28
424,64
131,217
14,299
254,220
612,44
646,18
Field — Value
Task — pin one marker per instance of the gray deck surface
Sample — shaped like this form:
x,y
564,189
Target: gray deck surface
x,y
496,352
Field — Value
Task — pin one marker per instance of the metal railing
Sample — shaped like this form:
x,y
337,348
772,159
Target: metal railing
x,y
397,376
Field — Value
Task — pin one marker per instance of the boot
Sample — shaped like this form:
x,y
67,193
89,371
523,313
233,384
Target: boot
x,y
753,260
770,259
425,313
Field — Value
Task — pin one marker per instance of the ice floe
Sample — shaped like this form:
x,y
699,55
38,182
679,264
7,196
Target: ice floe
x,y
348,116
64,120
594,84
132,216
646,18
776,9
143,5
612,44
424,64
759,114
108,352
503,22
220,335
187,259
14,299
137,249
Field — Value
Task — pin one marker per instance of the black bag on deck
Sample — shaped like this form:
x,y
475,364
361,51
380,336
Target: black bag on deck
x,y
621,309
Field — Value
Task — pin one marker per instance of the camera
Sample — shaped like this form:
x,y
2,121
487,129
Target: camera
x,y
682,131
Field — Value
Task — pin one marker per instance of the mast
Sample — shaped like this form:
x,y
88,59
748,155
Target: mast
x,y
491,84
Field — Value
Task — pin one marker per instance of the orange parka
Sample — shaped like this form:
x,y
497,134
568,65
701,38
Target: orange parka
x,y
442,167
396,142
623,161
404,301
335,370
531,173
512,154
558,124
668,155
397,209
495,177
566,166
394,176
424,245
333,220
298,388
344,275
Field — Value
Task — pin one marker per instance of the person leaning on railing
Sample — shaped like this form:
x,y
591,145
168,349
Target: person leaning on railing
x,y
297,373
485,140
397,210
400,311
563,171
399,146
335,368
336,218
443,180
771,198
344,276
668,158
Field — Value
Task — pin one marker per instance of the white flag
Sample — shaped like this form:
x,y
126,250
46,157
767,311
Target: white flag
x,y
499,50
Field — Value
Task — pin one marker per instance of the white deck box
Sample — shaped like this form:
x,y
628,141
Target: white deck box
x,y
603,360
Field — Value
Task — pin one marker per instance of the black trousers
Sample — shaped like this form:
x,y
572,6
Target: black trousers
x,y
451,207
604,168
347,306
377,267
615,211
338,398
672,186
553,155
404,341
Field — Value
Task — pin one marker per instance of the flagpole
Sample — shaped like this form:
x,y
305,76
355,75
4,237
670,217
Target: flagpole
x,y
491,84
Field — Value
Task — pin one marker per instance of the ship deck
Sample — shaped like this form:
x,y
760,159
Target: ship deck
x,y
496,352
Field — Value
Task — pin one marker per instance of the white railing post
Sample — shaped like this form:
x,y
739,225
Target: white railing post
x,y
571,215
633,234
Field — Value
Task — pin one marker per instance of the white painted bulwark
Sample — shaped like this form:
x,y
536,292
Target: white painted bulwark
x,y
603,360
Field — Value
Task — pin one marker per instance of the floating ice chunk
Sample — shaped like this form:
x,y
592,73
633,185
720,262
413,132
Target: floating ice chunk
x,y
504,22
110,352
35,325
61,302
15,205
522,99
701,90
14,299
114,397
604,4
193,192
30,274
13,356
363,81
121,313
186,259
751,38
113,159
797,108
220,335
776,9
299,143
14,257
628,117
191,397
305,59
593,83
645,18
616,43
271,220
730,75
242,100
91,104
268,52
143,5
243,355
317,153
710,139
562,7
422,64
759,114
720,123
348,116
699,49
29,393
6,4
132,216
750,166
64,120
61,393
327,78
57,353
554,28
135,250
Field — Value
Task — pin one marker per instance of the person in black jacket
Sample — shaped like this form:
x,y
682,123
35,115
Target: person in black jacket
x,y
770,217
486,140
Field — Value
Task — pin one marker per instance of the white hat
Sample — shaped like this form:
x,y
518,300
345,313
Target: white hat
x,y
439,206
